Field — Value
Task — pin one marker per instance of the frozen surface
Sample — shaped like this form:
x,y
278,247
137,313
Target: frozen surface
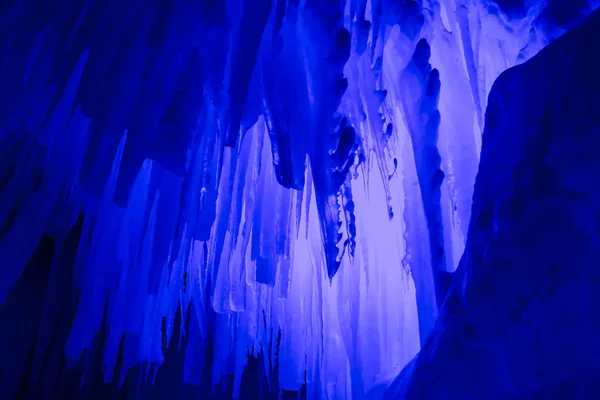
x,y
521,319
241,197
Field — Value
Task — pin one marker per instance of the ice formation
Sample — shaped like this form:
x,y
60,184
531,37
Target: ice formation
x,y
286,183
521,320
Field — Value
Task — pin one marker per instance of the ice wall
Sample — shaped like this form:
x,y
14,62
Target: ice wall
x,y
285,180
521,320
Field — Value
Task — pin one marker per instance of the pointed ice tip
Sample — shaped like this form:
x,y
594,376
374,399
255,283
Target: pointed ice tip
x,y
332,268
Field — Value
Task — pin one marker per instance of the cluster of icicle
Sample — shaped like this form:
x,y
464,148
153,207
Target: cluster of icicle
x,y
298,211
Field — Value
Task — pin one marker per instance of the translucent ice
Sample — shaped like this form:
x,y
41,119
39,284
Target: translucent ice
x,y
240,189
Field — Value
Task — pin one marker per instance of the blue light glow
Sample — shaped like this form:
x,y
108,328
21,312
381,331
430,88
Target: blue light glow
x,y
253,198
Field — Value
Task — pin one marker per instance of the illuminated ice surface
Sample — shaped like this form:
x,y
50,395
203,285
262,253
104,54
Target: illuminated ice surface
x,y
208,180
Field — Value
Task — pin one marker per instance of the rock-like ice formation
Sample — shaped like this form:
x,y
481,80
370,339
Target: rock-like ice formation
x,y
521,320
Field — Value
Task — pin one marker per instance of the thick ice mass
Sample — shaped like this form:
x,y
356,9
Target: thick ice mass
x,y
520,320
239,191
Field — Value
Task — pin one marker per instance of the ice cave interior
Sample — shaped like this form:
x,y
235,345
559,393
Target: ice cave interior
x,y
300,199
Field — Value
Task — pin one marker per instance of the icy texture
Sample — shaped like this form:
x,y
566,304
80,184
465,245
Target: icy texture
x,y
239,185
521,319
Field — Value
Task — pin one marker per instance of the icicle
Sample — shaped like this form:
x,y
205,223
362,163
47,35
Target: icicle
x,y
45,175
252,169
423,119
